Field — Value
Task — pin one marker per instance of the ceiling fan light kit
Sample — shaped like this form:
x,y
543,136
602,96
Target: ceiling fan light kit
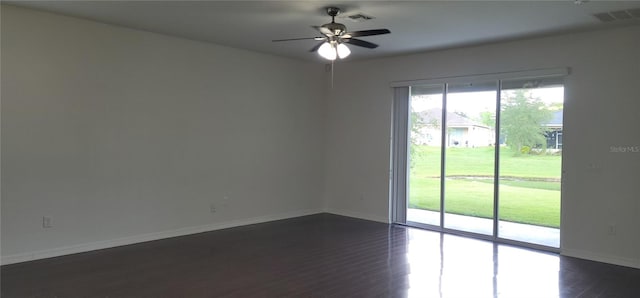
x,y
343,51
335,37
327,51
331,50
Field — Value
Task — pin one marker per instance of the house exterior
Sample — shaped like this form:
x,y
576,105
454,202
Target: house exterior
x,y
461,131
465,132
554,131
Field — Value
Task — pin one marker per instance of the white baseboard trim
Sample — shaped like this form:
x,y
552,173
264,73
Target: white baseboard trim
x,y
359,215
85,247
615,260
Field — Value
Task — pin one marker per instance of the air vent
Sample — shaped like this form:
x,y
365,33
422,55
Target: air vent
x,y
359,17
634,12
604,17
619,15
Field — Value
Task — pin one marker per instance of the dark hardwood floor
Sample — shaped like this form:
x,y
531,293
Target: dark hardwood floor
x,y
318,256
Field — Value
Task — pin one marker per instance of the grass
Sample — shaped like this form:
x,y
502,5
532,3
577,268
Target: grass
x,y
531,195
479,161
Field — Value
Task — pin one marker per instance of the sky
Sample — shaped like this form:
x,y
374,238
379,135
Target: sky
x,y
473,103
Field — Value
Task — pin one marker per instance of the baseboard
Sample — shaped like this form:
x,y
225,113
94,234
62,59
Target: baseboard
x,y
85,247
615,260
358,215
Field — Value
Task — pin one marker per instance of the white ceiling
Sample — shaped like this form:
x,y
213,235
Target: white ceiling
x,y
415,25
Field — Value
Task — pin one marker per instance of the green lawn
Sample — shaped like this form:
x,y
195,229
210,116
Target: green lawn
x,y
531,194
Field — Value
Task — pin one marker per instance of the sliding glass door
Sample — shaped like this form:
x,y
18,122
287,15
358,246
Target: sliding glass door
x,y
424,156
469,157
530,162
483,158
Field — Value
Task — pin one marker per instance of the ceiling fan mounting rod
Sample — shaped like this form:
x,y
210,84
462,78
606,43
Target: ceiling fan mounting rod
x,y
333,12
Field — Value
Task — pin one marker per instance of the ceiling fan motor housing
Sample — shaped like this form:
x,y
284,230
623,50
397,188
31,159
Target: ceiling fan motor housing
x,y
336,28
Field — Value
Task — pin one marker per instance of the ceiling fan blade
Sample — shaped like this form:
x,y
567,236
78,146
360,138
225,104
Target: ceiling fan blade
x,y
302,38
367,32
361,43
316,47
323,30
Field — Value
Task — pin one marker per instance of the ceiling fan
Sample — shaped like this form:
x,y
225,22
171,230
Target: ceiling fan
x,y
335,36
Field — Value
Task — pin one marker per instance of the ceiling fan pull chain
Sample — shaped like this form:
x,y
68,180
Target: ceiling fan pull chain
x,y
332,61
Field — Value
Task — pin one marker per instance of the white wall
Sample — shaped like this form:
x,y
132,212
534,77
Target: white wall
x,y
122,135
602,109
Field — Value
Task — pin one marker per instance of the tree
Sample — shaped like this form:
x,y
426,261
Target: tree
x,y
521,120
416,124
488,118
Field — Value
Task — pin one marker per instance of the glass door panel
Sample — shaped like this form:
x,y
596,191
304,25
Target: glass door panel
x,y
530,161
470,157
485,158
425,143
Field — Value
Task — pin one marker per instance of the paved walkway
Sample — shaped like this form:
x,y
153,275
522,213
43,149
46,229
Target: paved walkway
x,y
507,230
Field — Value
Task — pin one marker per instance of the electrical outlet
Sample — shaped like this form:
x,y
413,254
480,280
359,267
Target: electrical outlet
x,y
212,208
611,229
47,222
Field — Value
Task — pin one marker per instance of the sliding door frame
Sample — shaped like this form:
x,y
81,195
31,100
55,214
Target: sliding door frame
x,y
399,181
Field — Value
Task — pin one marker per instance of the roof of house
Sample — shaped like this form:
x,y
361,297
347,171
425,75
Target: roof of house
x,y
453,119
556,120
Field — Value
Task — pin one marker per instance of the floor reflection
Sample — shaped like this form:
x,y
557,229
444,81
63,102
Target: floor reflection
x,y
506,230
444,265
